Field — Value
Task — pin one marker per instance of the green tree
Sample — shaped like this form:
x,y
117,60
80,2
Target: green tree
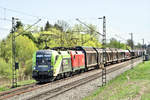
x,y
92,30
6,50
5,69
114,43
19,24
47,26
24,49
117,44
61,34
41,29
129,42
138,46
62,25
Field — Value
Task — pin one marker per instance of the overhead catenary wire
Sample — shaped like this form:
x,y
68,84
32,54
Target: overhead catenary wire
x,y
118,36
9,20
29,27
7,10
89,27
26,14
23,13
20,12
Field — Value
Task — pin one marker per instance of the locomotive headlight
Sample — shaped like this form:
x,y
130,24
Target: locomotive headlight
x,y
34,68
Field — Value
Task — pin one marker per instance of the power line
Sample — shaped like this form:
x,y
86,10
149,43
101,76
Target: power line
x,y
19,12
29,27
118,36
26,14
89,27
8,20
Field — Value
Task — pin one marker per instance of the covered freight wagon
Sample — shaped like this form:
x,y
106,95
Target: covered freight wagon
x,y
91,56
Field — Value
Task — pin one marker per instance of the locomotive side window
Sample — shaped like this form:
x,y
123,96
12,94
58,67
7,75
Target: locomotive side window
x,y
74,57
56,59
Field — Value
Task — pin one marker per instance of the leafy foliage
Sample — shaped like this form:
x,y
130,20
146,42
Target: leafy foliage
x,y
25,48
47,26
116,44
5,69
59,34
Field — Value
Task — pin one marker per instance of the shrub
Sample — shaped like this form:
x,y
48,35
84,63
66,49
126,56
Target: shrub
x,y
5,69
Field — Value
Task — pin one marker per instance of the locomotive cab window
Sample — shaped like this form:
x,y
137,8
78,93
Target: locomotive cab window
x,y
43,59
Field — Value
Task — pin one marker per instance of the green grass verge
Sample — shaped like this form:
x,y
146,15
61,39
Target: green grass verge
x,y
8,87
26,82
4,88
132,84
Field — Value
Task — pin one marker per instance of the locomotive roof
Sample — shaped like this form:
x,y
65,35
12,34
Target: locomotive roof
x,y
84,48
43,52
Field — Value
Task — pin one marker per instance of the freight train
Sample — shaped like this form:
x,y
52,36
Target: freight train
x,y
60,62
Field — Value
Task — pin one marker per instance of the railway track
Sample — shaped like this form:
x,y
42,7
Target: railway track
x,y
11,92
28,88
54,92
58,90
24,89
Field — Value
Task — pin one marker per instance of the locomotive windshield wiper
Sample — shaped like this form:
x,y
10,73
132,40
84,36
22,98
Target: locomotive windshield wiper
x,y
42,60
45,60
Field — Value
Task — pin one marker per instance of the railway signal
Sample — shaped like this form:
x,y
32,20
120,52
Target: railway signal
x,y
15,65
14,74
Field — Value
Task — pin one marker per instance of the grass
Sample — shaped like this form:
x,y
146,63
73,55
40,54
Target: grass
x,y
132,84
4,88
26,82
8,87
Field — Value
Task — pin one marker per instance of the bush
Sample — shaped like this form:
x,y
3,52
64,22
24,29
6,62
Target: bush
x,y
5,69
28,68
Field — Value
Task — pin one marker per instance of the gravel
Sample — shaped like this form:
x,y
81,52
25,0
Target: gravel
x,y
77,93
88,88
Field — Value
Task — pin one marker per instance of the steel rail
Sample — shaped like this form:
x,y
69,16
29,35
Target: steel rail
x,y
64,88
32,87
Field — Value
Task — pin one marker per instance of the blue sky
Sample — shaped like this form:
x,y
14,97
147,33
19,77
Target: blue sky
x,y
123,16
